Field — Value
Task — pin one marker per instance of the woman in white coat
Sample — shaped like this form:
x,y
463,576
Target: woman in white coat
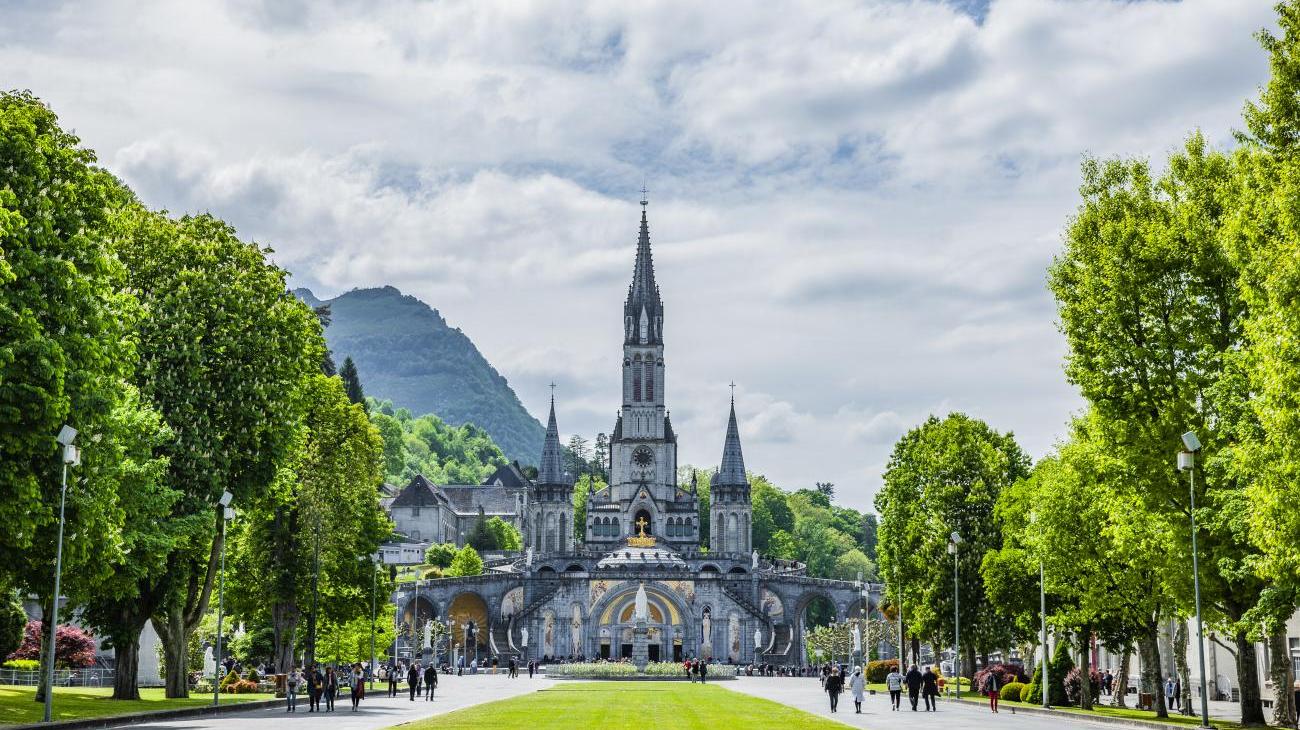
x,y
857,685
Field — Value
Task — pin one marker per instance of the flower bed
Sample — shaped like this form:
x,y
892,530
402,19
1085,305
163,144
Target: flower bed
x,y
627,670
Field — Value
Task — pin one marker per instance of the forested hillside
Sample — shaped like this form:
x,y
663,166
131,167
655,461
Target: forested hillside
x,y
408,354
426,445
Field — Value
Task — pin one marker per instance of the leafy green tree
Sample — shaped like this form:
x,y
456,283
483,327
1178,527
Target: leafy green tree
x,y
852,564
352,382
66,351
505,535
945,477
771,512
13,622
440,554
481,537
466,563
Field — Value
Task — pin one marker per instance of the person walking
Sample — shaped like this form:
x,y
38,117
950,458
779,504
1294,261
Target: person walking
x,y
430,681
291,684
858,685
330,688
704,671
687,666
532,667
358,685
392,679
894,683
834,685
315,683
914,682
1171,694
930,689
413,679
993,688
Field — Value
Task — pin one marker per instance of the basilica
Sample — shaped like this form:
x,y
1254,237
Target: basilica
x,y
639,575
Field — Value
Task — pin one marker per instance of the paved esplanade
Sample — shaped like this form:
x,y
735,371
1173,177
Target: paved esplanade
x,y
805,694
378,710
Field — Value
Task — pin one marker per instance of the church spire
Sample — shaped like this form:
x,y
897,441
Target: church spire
x,y
732,469
551,469
643,311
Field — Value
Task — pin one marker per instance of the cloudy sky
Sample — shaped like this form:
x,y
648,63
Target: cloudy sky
x,y
851,203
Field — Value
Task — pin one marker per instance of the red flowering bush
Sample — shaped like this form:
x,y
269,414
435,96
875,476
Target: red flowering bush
x,y
73,647
1074,687
1007,673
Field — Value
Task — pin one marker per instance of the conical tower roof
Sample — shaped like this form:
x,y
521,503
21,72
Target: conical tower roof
x,y
551,468
732,469
643,293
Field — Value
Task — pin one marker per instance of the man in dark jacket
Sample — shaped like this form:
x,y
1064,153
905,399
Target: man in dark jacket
x,y
930,689
392,679
413,679
430,680
914,681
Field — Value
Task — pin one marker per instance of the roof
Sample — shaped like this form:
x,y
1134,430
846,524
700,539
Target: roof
x,y
643,293
420,492
732,470
509,475
551,469
467,499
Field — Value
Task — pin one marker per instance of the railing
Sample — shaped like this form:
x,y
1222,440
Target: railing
x,y
89,677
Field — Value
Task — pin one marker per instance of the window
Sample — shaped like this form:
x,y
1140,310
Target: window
x,y
649,380
415,511
636,383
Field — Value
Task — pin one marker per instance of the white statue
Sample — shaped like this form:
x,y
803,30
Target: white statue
x,y
758,639
575,630
523,634
209,662
707,633
857,640
754,560
528,558
428,633
642,604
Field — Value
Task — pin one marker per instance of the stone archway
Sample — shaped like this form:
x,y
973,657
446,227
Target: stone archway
x,y
468,610
612,619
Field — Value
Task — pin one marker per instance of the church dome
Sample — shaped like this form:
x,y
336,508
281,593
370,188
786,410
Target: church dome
x,y
642,557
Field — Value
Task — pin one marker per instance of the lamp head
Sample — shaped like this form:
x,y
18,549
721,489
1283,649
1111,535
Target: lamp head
x,y
67,435
956,539
226,498
230,513
1191,442
952,548
71,455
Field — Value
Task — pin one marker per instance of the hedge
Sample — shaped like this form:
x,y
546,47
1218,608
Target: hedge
x,y
878,670
1012,691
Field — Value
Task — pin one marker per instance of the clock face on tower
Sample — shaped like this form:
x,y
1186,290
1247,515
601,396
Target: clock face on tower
x,y
643,459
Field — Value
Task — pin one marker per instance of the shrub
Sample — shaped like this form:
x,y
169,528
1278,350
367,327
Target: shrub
x,y
253,676
440,554
1074,687
1027,694
13,622
878,670
73,648
1062,665
1007,673
240,687
1011,691
431,572
23,665
229,679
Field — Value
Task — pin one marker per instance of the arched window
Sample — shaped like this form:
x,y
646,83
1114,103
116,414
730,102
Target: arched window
x,y
649,380
551,530
636,379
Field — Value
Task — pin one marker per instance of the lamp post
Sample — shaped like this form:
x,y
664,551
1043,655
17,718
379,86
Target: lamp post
x,y
374,616
1042,606
898,588
228,514
71,457
953,541
1187,463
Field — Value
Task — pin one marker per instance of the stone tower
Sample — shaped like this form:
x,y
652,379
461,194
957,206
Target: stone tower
x,y
731,512
551,506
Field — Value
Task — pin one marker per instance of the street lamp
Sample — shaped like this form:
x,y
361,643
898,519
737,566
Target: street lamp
x,y
953,541
374,582
1042,604
1187,463
228,514
898,589
71,457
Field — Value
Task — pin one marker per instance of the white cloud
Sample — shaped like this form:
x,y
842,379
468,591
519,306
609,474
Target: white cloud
x,y
852,202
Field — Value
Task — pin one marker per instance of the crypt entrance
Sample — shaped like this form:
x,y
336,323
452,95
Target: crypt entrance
x,y
667,631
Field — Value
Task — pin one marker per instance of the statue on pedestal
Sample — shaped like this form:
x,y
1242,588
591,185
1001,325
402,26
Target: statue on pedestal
x,y
428,633
209,662
758,639
642,605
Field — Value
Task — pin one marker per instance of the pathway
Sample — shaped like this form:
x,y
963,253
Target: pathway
x,y
805,694
377,710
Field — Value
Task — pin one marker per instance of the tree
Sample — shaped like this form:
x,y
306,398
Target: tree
x,y
352,382
466,563
853,564
66,351
826,489
440,554
583,488
771,512
577,456
481,537
505,535
1151,307
73,649
600,457
944,477
13,624
297,548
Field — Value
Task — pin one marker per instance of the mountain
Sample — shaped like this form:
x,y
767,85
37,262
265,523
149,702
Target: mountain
x,y
406,352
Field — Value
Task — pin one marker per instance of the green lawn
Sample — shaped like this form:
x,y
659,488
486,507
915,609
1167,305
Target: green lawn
x,y
615,705
17,705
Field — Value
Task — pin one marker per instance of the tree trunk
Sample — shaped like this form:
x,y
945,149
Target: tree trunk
x,y
1252,705
1184,672
916,650
47,638
969,659
1282,676
174,638
284,619
126,664
1149,654
1085,669
1121,682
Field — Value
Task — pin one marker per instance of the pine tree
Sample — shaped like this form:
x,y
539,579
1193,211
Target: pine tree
x,y
1062,665
352,382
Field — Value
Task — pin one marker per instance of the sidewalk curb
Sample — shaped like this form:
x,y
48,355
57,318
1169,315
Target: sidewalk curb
x,y
1082,717
139,717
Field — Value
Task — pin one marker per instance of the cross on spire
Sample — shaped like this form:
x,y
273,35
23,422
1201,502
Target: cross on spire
x,y
644,199
732,385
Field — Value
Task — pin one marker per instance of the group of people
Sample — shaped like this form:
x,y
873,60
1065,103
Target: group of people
x,y
421,679
920,685
324,684
834,680
696,670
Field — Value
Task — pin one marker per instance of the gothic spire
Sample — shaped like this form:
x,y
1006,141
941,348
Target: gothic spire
x,y
732,469
643,311
551,468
